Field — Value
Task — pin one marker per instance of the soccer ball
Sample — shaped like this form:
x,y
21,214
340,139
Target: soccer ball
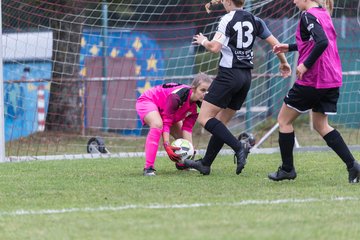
x,y
186,151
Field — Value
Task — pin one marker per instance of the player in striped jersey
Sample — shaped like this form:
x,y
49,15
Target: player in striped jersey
x,y
234,38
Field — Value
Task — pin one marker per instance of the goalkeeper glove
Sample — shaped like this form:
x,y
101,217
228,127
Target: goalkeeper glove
x,y
170,152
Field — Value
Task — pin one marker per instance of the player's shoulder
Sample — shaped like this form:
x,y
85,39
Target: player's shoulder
x,y
227,17
183,93
307,17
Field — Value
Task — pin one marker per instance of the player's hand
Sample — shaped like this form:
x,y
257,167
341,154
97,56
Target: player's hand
x,y
209,4
170,152
281,48
199,38
300,71
207,7
285,70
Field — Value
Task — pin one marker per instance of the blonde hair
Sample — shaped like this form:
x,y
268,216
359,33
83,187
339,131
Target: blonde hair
x,y
200,78
328,4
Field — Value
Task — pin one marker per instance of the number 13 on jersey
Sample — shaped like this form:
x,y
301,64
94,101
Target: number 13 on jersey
x,y
244,34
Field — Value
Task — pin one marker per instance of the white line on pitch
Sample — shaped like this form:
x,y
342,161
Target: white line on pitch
x,y
164,206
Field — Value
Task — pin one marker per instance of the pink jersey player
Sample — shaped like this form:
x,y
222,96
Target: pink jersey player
x,y
170,109
317,88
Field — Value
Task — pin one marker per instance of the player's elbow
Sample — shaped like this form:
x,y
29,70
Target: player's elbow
x,y
214,48
323,44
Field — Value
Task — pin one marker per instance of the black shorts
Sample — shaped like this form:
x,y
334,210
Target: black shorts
x,y
230,87
303,98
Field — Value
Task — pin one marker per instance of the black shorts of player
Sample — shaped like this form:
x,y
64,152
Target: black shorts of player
x,y
229,88
303,98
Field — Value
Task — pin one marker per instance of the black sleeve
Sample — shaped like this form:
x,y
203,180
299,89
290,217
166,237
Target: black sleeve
x,y
264,30
310,24
292,47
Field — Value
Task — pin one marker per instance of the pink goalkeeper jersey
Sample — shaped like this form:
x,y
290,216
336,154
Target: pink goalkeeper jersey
x,y
170,106
326,71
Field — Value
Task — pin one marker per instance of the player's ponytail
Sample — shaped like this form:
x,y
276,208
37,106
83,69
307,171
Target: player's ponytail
x,y
328,4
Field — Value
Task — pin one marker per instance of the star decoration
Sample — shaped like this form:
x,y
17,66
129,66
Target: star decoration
x,y
129,54
137,44
151,63
83,72
114,52
31,87
146,87
83,42
94,50
137,70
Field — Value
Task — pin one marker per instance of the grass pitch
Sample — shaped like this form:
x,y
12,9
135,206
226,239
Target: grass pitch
x,y
110,199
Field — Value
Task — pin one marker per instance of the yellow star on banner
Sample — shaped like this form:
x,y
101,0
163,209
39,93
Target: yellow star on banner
x,y
83,72
32,87
129,54
83,42
146,87
151,63
94,50
137,44
137,70
114,52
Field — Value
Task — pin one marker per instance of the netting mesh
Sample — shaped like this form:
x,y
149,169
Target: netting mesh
x,y
73,70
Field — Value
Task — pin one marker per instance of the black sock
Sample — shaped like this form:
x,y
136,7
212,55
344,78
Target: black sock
x,y
286,143
336,143
214,146
218,129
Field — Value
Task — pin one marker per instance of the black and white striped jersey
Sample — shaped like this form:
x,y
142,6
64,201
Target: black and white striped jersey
x,y
236,32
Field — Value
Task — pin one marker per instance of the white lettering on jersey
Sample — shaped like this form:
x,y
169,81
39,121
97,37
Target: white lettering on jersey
x,y
310,26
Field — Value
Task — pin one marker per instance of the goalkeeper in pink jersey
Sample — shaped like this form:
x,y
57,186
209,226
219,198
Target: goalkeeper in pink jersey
x,y
170,109
319,77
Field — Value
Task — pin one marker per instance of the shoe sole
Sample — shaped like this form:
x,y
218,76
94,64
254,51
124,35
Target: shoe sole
x,y
149,175
282,179
194,167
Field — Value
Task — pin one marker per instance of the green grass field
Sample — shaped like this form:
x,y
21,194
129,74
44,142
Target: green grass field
x,y
110,199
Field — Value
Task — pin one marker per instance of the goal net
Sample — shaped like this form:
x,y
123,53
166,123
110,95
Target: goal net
x,y
72,71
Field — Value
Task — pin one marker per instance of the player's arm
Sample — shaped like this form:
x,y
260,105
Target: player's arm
x,y
273,41
187,135
188,125
264,33
285,69
310,24
212,46
218,40
172,105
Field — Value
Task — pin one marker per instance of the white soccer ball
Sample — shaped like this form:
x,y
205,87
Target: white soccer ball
x,y
187,149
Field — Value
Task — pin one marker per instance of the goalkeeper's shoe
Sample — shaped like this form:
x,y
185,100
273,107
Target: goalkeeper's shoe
x,y
240,157
181,166
150,171
198,165
354,173
281,174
